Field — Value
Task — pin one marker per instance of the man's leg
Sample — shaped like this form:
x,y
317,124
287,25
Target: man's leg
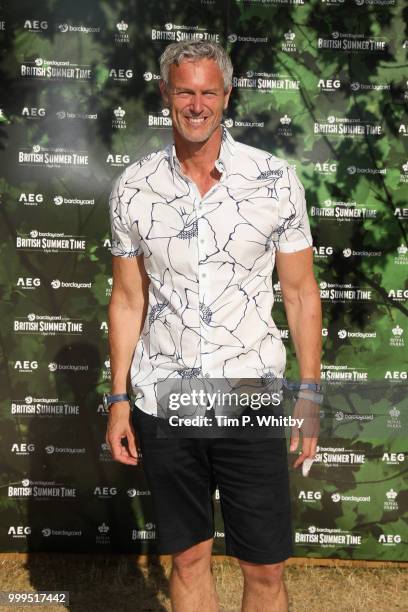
x,y
264,587
192,586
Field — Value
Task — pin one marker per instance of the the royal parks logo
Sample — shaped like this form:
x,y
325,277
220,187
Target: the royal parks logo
x,y
289,42
397,336
122,33
118,118
394,419
401,257
390,502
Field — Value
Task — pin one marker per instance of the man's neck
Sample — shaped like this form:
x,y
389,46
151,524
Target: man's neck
x,y
198,158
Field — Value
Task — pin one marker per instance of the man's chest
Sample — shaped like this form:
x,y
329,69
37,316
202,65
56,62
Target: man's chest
x,y
178,226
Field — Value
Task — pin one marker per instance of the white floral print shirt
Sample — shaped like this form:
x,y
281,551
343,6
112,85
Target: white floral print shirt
x,y
209,260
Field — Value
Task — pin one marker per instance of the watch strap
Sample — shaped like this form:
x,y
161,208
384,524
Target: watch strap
x,y
118,397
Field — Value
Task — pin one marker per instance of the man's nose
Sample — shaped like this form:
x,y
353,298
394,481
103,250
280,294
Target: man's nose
x,y
197,104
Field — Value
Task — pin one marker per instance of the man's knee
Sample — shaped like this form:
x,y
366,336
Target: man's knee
x,y
193,560
263,574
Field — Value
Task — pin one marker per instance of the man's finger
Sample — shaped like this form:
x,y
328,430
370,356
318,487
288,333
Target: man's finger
x,y
294,439
132,445
119,452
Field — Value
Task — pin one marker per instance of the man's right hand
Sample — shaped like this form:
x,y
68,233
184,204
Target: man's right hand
x,y
119,427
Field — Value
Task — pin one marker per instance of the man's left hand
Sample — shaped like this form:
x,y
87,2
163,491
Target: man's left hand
x,y
309,411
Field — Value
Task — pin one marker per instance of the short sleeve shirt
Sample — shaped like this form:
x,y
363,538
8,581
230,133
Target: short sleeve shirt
x,y
209,261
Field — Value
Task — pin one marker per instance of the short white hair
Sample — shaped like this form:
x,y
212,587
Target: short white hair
x,y
196,50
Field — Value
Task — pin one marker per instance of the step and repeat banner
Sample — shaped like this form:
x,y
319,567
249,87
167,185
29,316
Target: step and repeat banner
x,y
321,83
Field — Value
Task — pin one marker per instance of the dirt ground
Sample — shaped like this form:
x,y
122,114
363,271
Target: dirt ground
x,y
119,583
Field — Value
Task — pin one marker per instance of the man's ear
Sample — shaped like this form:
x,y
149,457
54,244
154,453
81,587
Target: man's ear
x,y
163,91
227,96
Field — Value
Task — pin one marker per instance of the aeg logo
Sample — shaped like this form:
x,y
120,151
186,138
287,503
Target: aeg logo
x,y
33,112
20,531
28,282
34,25
31,198
26,366
310,495
24,448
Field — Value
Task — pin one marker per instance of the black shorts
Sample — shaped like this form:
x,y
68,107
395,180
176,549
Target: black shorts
x,y
253,480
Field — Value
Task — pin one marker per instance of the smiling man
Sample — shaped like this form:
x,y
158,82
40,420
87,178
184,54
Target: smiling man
x,y
197,228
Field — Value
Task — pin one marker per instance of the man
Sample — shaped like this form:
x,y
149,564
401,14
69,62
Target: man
x,y
196,230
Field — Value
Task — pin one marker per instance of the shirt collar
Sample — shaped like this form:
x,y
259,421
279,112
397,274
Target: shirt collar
x,y
224,161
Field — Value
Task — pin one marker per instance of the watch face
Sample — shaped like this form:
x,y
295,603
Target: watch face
x,y
105,401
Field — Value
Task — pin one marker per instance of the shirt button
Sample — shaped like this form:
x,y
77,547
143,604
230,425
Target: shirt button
x,y
206,375
203,274
202,240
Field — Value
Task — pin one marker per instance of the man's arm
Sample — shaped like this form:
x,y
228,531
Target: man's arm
x,y
301,298
126,313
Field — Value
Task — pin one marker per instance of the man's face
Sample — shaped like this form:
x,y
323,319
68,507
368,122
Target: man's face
x,y
196,98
